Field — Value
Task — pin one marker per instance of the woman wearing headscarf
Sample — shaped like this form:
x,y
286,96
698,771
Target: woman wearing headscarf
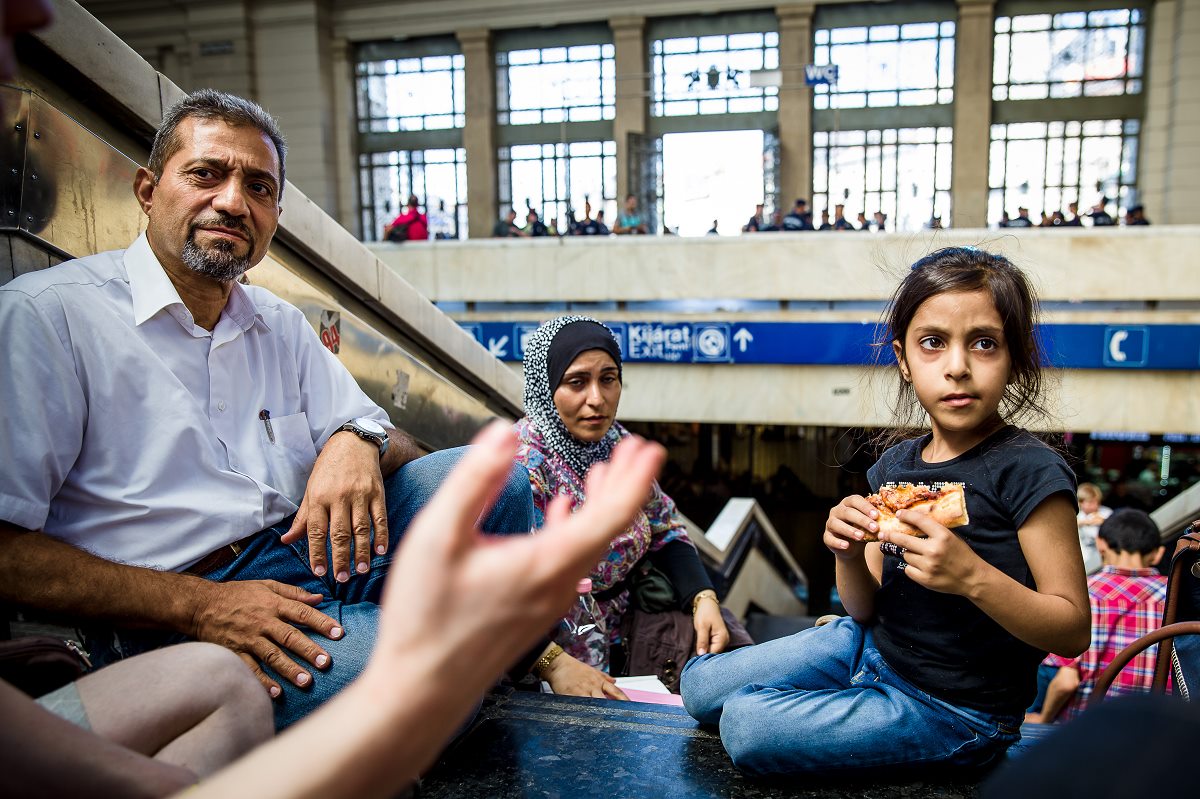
x,y
572,390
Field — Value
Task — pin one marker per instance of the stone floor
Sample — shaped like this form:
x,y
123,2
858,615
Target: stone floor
x,y
536,745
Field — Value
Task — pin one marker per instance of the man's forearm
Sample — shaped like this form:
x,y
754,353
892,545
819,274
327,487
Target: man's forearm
x,y
40,572
401,450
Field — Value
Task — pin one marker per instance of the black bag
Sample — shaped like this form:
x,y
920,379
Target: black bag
x,y
40,664
660,643
399,233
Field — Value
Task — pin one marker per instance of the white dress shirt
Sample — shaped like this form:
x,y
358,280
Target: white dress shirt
x,y
136,435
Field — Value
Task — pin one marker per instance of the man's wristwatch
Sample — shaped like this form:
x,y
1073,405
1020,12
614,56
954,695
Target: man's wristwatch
x,y
368,430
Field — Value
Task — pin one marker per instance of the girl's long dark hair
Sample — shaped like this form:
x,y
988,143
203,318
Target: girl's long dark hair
x,y
957,269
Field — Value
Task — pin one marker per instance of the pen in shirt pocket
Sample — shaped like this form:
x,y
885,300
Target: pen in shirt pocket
x,y
265,415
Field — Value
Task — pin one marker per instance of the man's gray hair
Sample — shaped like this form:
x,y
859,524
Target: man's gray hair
x,y
211,104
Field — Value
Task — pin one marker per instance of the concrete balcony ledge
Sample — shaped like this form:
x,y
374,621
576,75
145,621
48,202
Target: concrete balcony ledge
x,y
1079,264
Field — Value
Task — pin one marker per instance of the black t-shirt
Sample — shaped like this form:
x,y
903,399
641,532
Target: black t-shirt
x,y
941,642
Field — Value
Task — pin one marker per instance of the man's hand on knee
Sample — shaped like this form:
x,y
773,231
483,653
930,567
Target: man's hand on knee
x,y
344,499
258,620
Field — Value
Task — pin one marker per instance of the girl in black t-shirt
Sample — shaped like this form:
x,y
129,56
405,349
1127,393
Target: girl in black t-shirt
x,y
938,657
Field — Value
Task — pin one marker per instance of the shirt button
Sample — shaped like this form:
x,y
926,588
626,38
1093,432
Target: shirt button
x,y
221,405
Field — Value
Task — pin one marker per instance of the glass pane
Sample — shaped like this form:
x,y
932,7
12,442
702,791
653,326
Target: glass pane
x,y
1031,22
745,41
1030,57
847,35
1000,59
921,30
587,52
524,57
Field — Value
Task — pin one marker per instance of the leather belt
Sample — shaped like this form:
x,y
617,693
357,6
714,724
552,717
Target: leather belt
x,y
220,557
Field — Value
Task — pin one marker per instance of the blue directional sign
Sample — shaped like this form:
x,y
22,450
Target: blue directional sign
x,y
1069,346
820,73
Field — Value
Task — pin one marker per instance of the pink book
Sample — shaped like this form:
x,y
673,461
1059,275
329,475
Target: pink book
x,y
653,696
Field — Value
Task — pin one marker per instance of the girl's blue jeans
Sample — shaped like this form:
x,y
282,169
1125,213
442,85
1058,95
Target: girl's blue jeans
x,y
824,701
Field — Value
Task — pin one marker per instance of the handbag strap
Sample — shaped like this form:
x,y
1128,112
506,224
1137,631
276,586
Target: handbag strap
x,y
1188,545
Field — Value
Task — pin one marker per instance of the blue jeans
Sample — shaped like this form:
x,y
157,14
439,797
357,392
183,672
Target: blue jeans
x,y
353,604
823,701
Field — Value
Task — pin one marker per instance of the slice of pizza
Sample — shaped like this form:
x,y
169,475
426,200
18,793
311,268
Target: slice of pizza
x,y
945,502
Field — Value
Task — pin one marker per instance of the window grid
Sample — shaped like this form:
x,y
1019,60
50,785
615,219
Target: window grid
x,y
697,75
556,85
387,179
1070,54
904,172
407,94
1044,166
556,179
884,66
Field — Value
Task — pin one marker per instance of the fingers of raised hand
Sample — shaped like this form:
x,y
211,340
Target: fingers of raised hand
x,y
477,476
559,510
622,485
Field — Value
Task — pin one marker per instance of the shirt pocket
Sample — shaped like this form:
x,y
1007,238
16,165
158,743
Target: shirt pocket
x,y
290,455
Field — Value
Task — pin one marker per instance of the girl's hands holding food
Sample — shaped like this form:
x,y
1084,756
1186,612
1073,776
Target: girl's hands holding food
x,y
849,522
941,561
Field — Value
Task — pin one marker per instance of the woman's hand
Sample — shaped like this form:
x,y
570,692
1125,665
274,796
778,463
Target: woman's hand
x,y
711,633
942,561
848,522
569,677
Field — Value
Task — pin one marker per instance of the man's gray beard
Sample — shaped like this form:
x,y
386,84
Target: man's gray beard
x,y
218,262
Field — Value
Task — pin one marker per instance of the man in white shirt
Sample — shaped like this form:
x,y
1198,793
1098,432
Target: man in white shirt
x,y
184,457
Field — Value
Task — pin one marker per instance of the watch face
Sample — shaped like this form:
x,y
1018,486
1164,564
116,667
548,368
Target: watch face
x,y
371,426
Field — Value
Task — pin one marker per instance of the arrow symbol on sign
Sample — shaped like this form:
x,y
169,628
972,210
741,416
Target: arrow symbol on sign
x,y
743,337
496,347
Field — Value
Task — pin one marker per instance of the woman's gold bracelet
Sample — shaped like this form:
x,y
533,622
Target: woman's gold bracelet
x,y
704,595
547,658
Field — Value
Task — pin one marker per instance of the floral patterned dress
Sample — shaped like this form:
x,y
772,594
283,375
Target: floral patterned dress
x,y
656,525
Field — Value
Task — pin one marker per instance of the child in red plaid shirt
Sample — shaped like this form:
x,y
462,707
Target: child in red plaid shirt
x,y
1127,597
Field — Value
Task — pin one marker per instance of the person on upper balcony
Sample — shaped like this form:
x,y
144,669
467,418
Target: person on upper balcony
x,y
507,227
630,221
840,222
1099,214
1075,220
799,218
1022,219
572,390
588,226
410,225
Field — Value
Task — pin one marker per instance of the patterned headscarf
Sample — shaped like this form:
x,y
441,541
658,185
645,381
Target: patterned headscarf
x,y
539,402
